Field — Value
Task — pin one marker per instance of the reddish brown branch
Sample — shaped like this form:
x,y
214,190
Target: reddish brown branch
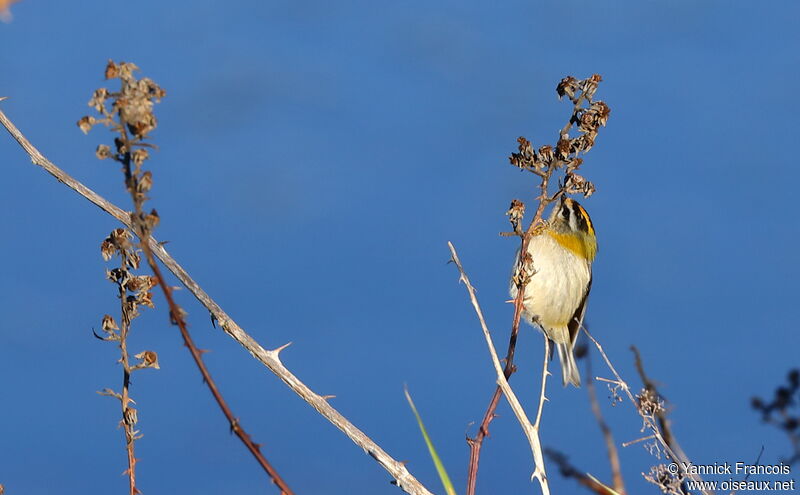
x,y
176,314
476,443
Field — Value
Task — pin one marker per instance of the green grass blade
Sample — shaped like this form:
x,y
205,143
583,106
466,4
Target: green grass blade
x,y
448,485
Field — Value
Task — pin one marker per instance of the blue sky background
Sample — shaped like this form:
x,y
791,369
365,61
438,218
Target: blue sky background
x,y
315,158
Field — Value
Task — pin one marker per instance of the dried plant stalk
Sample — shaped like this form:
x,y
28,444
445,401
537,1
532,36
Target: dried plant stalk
x,y
647,409
131,117
544,163
269,358
133,293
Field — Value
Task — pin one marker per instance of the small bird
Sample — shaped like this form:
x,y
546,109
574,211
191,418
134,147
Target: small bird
x,y
555,297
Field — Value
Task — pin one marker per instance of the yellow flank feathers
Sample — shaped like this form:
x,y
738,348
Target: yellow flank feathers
x,y
582,246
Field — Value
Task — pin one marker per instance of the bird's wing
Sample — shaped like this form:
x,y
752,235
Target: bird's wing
x,y
575,323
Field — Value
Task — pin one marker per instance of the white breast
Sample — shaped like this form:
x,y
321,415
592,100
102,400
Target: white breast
x,y
556,289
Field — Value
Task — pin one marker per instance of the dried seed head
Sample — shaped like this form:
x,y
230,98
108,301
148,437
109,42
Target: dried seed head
x,y
107,249
133,260
112,71
118,275
86,123
526,158
139,283
145,299
577,184
563,147
568,86
515,213
139,156
98,100
546,154
102,152
148,359
589,86
109,325
145,182
601,111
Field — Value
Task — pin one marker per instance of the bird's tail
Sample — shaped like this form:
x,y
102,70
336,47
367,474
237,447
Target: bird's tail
x,y
569,370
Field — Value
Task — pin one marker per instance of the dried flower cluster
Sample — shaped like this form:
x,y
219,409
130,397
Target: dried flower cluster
x,y
783,411
134,290
588,116
129,113
650,404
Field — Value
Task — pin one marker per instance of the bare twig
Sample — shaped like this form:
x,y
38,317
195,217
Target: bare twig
x,y
269,358
531,430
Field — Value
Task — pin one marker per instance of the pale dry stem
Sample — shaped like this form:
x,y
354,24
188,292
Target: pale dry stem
x,y
531,430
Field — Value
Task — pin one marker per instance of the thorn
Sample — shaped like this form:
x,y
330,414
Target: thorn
x,y
511,301
3,98
326,397
281,348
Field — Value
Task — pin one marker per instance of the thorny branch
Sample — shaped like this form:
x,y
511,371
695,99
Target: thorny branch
x,y
531,430
132,111
269,358
544,163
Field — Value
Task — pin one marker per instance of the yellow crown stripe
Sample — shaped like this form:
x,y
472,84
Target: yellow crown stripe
x,y
588,221
575,244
